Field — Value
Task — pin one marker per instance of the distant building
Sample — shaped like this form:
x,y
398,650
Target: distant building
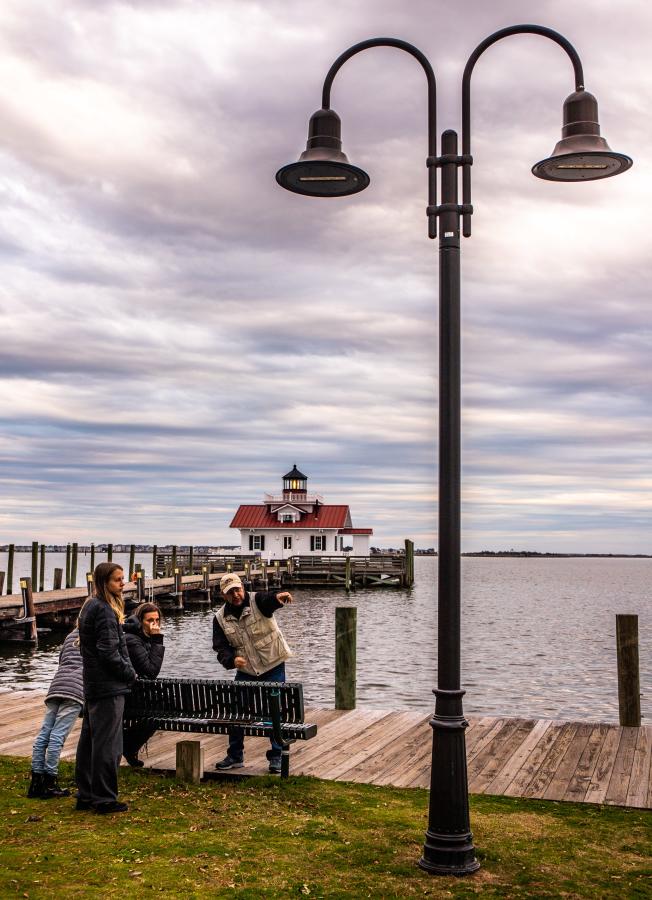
x,y
296,523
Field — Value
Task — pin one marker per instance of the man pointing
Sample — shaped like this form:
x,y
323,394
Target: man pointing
x,y
246,637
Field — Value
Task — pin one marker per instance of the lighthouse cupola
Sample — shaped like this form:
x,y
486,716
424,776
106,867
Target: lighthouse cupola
x,y
295,485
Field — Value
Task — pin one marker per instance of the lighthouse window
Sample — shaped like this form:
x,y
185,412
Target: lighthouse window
x,y
287,542
288,518
318,542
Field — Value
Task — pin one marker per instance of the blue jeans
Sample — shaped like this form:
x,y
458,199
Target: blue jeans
x,y
59,718
236,738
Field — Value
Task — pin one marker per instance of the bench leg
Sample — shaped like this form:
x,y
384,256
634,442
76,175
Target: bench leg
x,y
190,761
285,761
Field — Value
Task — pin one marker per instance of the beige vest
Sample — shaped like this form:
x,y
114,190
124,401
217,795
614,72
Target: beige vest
x,y
254,636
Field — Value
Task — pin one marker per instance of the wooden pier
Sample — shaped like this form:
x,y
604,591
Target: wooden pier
x,y
582,762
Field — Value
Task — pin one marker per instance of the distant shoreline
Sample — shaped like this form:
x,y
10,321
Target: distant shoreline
x,y
199,549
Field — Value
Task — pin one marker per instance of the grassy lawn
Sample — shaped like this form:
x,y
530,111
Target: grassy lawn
x,y
306,838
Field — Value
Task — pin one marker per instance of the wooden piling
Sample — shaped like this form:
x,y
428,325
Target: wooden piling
x,y
190,761
34,578
409,563
89,583
2,582
177,588
68,551
29,613
73,565
57,579
629,688
154,552
347,573
109,552
345,656
132,559
41,574
174,559
10,568
92,557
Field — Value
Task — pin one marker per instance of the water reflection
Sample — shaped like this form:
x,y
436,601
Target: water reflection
x,y
538,639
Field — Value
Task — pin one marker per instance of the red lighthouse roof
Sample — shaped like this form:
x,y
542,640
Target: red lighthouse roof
x,y
259,516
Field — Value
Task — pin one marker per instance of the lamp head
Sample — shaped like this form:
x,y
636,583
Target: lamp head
x,y
581,154
323,169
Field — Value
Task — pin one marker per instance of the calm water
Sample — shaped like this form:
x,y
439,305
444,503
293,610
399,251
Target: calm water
x,y
538,638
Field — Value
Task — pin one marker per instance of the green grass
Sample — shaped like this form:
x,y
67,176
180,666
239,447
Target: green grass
x,y
306,838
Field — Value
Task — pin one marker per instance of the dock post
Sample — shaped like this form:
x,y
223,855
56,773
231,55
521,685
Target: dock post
x,y
57,578
132,559
409,563
191,560
190,761
629,689
92,557
177,588
2,582
109,552
73,565
140,585
205,583
41,575
34,578
347,573
89,583
154,554
345,656
29,615
68,551
10,568
174,558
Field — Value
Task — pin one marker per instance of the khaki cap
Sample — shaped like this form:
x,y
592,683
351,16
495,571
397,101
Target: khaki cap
x,y
228,582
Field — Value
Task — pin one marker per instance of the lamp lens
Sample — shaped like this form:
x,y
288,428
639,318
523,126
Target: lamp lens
x,y
322,178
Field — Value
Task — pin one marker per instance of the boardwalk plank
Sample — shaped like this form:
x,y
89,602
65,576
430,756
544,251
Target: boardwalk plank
x,y
562,777
597,789
484,767
539,784
642,764
622,770
519,758
581,778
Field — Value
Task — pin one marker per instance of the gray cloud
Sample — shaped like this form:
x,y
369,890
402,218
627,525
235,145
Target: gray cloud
x,y
177,330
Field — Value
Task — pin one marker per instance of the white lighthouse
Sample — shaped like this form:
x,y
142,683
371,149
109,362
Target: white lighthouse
x,y
296,522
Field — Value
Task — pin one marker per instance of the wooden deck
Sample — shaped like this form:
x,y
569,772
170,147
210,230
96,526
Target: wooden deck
x,y
554,760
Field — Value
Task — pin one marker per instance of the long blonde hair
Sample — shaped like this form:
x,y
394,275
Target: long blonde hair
x,y
101,577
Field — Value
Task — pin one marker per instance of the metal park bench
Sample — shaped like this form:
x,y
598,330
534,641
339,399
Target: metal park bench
x,y
203,706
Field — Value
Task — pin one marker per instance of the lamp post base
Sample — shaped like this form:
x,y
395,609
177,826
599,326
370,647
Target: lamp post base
x,y
448,848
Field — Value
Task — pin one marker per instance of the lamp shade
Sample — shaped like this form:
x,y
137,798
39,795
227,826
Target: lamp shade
x,y
581,154
323,170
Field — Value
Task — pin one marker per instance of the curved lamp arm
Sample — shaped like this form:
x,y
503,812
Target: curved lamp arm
x,y
432,105
466,93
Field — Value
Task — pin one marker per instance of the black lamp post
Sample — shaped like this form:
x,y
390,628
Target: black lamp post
x,y
323,170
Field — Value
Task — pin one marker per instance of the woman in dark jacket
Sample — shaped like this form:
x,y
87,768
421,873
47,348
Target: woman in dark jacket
x,y
108,674
146,650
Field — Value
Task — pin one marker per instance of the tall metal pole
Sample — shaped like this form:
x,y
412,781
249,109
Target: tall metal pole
x,y
448,848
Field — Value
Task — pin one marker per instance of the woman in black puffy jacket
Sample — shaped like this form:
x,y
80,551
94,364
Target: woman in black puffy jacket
x,y
108,675
146,651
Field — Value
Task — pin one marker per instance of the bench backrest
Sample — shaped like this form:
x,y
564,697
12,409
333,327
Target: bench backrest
x,y
205,698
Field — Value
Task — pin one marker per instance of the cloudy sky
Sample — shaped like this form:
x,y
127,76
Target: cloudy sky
x,y
177,331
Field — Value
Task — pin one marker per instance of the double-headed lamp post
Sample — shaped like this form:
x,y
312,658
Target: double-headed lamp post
x,y
323,170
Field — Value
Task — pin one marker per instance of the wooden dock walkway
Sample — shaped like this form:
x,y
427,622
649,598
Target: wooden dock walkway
x,y
583,762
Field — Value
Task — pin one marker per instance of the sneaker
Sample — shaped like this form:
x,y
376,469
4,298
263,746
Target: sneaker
x,y
275,765
103,809
229,763
82,805
133,761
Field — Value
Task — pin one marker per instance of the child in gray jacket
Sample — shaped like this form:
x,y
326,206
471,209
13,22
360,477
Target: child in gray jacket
x,y
64,702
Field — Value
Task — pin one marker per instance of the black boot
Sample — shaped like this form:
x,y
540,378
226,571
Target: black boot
x,y
35,788
51,788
